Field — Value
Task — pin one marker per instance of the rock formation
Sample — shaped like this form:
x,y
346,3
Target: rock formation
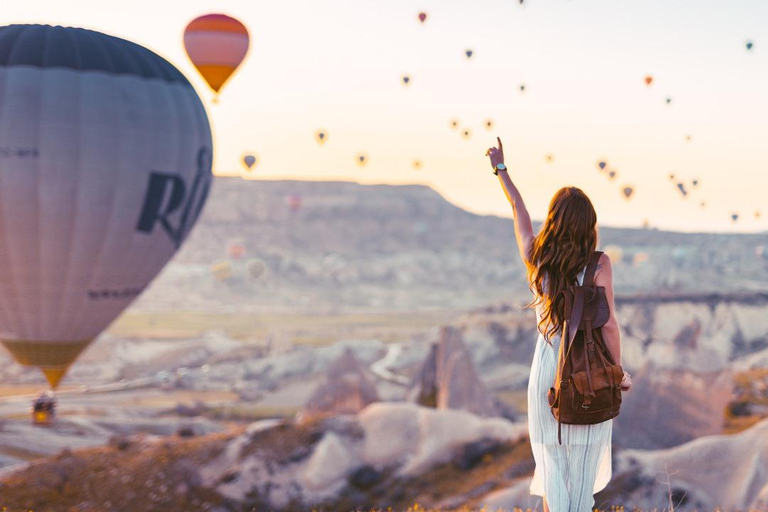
x,y
424,388
376,237
448,379
666,407
345,389
719,472
293,467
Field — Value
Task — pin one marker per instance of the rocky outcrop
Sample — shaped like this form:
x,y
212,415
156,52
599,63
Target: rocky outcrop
x,y
695,333
681,350
346,389
720,472
448,379
282,467
701,333
425,388
666,407
405,247
729,472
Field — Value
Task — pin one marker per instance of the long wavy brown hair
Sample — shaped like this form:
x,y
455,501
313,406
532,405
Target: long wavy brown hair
x,y
558,253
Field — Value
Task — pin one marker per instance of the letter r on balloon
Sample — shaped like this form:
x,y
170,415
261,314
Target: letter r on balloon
x,y
166,193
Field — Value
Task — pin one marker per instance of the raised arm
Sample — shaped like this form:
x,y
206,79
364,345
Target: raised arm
x,y
611,334
522,221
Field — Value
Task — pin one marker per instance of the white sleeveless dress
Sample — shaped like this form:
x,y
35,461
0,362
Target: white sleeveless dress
x,y
568,475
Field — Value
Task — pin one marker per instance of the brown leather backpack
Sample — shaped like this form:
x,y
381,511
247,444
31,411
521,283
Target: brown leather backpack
x,y
587,382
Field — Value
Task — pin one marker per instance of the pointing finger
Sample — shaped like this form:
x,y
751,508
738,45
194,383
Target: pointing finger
x,y
500,146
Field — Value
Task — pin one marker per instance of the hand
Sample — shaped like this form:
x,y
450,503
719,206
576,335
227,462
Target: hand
x,y
626,381
496,155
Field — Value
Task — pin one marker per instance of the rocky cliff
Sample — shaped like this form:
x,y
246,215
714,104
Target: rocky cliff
x,y
342,244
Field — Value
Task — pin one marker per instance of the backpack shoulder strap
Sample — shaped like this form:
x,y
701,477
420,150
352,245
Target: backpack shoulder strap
x,y
589,275
572,325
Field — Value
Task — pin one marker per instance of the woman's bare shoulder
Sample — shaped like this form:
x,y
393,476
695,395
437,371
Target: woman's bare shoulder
x,y
604,267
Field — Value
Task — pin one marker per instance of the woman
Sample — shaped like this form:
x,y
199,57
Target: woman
x,y
567,475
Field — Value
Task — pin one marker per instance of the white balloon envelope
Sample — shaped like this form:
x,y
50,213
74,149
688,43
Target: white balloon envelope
x,y
105,165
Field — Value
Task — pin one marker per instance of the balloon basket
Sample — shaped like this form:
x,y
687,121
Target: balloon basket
x,y
44,410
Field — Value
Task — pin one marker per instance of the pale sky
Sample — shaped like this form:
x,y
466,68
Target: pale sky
x,y
337,65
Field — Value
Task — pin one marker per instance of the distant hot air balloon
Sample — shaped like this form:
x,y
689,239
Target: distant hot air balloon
x,y
108,169
454,123
688,138
249,161
417,164
669,101
703,204
361,159
294,202
681,188
749,45
256,268
422,17
236,249
550,158
640,258
614,253
734,217
648,80
601,165
489,124
628,191
757,214
467,133
216,45
671,177
695,183
321,136
221,270
612,174
406,80
468,53
522,87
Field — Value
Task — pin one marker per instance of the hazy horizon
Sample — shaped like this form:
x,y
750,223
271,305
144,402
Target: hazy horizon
x,y
535,220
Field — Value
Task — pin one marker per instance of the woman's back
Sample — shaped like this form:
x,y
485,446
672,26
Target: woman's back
x,y
539,304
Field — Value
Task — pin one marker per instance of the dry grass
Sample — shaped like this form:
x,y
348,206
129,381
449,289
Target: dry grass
x,y
751,389
139,475
517,398
135,476
29,390
142,475
734,425
419,508
300,328
243,412
175,397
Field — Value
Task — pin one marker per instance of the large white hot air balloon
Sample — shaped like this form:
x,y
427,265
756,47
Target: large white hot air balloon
x,y
105,165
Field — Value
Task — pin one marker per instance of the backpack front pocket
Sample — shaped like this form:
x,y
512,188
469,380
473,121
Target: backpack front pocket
x,y
605,384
